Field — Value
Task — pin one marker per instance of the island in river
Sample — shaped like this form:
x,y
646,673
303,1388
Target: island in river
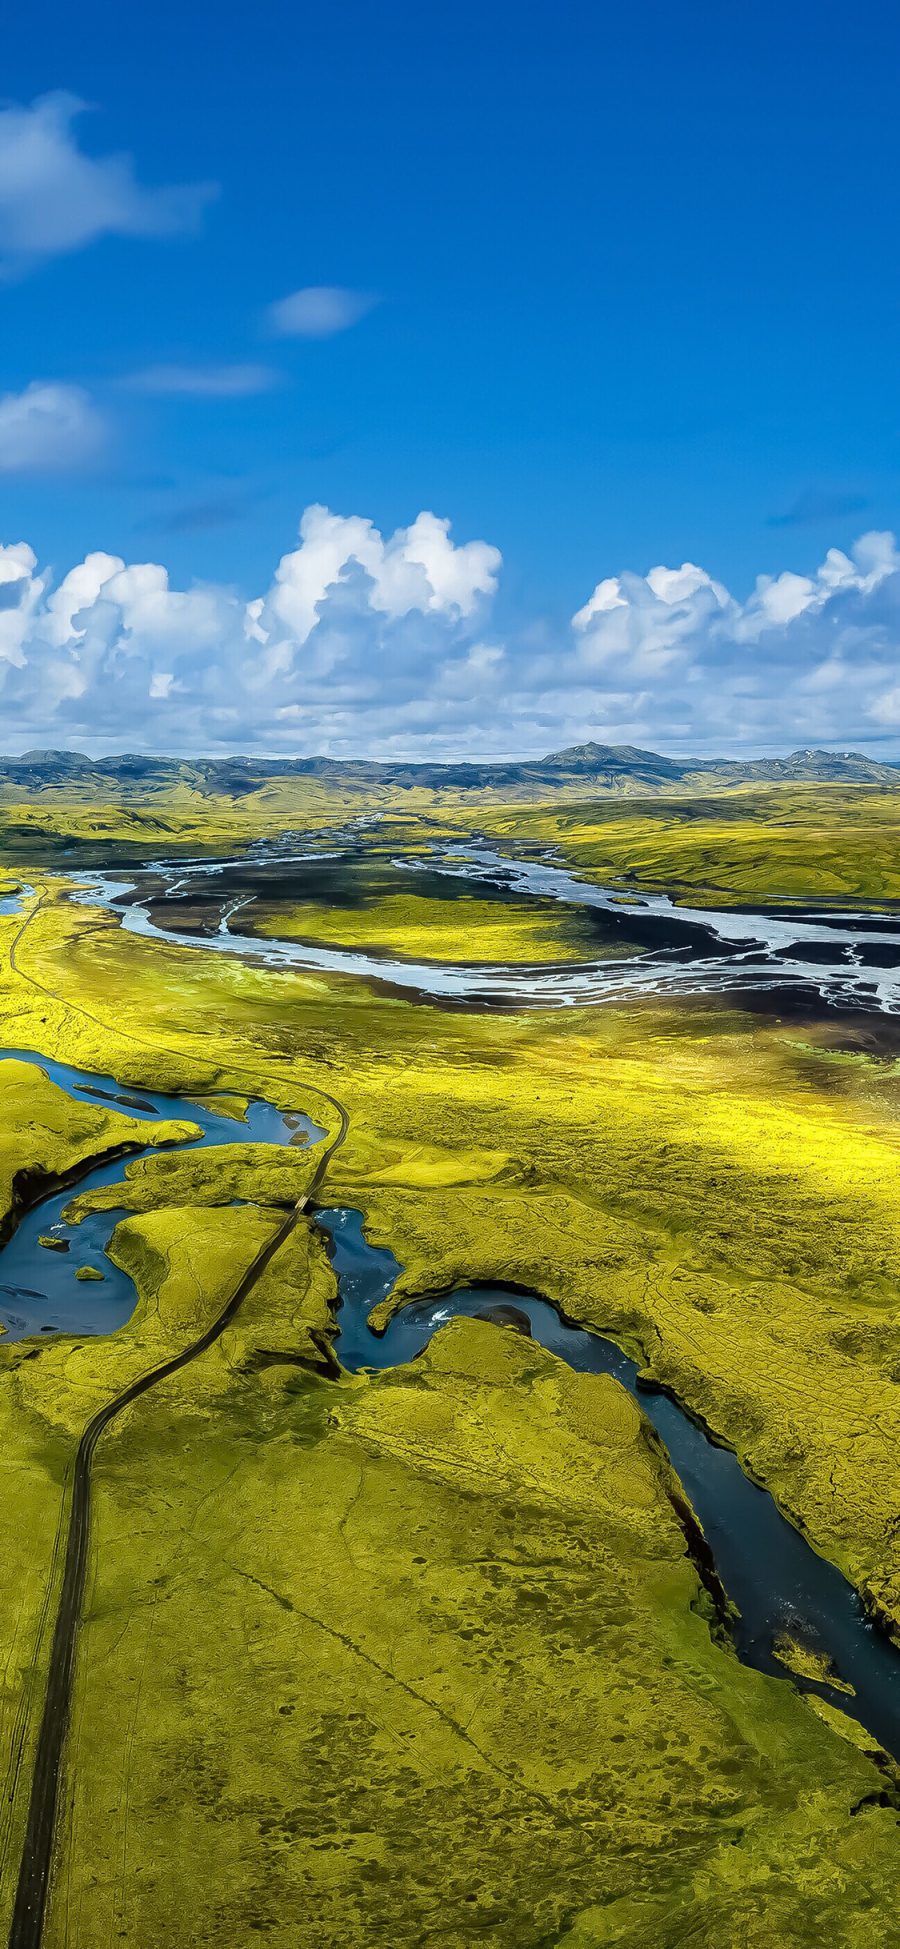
x,y
400,1623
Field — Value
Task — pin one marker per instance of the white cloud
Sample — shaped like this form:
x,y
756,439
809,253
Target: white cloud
x,y
318,311
607,595
805,657
54,197
365,641
76,596
673,585
886,707
161,685
48,428
238,381
417,568
21,593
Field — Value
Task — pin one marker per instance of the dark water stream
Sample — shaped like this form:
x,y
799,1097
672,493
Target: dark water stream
x,y
773,1576
39,1291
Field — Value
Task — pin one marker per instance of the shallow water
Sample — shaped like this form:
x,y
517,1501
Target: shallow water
x,y
39,1292
848,960
769,1571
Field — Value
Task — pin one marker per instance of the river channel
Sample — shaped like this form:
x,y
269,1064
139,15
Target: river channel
x,y
848,960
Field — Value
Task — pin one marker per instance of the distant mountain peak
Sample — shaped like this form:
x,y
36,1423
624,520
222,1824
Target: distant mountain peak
x,y
815,751
592,753
59,760
599,759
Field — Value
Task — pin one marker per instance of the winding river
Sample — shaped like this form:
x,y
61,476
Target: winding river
x,y
773,1577
778,1584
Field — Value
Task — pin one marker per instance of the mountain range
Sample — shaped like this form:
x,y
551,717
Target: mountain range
x,y
584,767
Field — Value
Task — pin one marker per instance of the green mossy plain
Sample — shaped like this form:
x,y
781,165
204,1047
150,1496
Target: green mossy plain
x,y
374,1661
469,930
184,1263
713,845
718,1193
422,1657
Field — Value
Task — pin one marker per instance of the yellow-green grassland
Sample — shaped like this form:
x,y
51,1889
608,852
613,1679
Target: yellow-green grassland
x,y
469,930
423,1656
782,843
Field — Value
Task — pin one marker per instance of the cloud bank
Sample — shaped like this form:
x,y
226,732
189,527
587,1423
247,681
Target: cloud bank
x,y
365,642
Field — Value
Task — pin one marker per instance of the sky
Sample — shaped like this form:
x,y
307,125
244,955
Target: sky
x,y
449,382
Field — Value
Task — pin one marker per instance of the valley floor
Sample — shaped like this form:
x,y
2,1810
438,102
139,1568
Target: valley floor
x,y
426,1656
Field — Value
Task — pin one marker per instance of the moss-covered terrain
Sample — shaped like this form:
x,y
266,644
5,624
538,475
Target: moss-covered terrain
x,y
359,896
714,836
719,1193
834,843
466,930
415,1658
423,1657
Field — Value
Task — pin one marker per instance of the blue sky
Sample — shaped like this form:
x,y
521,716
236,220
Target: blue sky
x,y
633,299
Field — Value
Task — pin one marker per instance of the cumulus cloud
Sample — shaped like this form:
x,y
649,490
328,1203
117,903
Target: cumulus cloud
x,y
805,656
237,381
22,590
48,428
383,643
353,621
417,568
318,311
54,197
